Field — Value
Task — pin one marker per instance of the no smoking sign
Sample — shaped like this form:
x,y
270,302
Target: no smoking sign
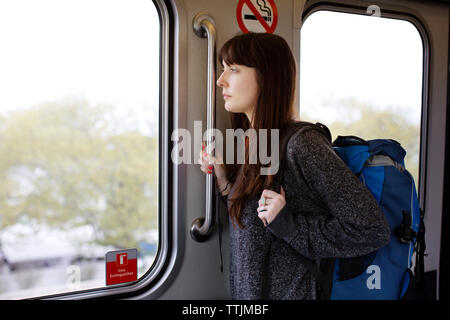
x,y
257,15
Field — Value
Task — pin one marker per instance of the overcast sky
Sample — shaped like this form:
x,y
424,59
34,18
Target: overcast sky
x,y
103,50
378,60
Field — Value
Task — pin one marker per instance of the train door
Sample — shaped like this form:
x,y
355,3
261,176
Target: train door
x,y
111,200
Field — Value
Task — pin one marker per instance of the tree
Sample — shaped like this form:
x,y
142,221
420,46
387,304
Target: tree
x,y
70,164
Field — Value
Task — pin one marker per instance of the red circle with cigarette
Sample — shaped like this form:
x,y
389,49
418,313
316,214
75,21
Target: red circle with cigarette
x,y
263,11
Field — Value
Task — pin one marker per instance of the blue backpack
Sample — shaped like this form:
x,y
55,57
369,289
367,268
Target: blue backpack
x,y
385,274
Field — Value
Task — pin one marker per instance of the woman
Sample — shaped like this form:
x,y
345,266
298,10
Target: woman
x,y
322,210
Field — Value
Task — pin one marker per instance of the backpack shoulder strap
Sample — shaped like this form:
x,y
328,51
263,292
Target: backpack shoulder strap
x,y
294,127
286,135
321,275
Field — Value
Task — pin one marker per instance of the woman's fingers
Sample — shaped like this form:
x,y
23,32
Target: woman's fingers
x,y
262,208
263,218
205,157
267,193
264,201
206,162
210,164
270,205
268,196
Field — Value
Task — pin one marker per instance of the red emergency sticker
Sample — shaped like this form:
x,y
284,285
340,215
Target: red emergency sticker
x,y
121,266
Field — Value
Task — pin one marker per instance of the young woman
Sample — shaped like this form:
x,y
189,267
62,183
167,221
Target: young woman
x,y
322,210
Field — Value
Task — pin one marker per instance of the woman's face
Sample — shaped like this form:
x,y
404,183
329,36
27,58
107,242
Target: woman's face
x,y
239,88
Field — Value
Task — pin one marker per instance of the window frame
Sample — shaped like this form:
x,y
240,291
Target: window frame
x,y
150,282
417,23
444,263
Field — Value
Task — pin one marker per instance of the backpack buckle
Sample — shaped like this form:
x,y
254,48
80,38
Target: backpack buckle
x,y
404,231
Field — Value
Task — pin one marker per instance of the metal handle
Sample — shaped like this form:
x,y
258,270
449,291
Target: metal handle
x,y
205,27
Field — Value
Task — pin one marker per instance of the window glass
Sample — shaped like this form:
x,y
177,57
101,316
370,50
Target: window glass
x,y
361,75
79,105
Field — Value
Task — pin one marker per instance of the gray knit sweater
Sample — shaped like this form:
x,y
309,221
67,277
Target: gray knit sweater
x,y
328,213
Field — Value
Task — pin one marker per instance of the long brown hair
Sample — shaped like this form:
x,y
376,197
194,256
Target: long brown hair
x,y
275,66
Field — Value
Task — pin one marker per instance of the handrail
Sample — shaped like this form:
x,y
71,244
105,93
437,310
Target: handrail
x,y
204,27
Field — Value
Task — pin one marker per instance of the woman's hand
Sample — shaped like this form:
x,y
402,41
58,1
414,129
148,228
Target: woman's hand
x,y
210,165
270,205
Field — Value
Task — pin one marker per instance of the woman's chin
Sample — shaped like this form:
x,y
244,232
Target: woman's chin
x,y
230,108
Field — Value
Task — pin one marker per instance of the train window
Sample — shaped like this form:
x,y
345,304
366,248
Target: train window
x,y
362,75
79,146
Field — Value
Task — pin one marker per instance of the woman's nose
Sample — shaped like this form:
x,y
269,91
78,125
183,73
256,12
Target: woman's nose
x,y
220,82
